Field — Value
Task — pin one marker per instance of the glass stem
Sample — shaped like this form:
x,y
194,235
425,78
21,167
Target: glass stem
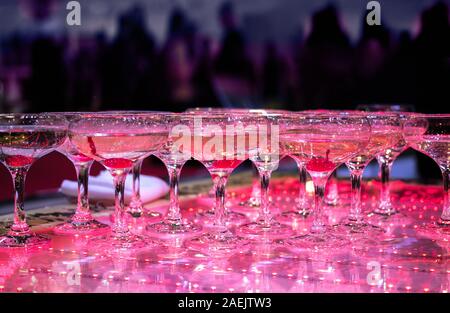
x,y
445,216
385,196
256,186
332,195
318,224
82,210
264,215
220,181
120,228
355,215
302,196
19,226
136,198
174,214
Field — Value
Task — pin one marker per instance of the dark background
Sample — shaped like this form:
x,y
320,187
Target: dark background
x,y
171,55
167,54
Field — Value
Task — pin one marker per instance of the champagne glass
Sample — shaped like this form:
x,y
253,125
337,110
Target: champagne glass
x,y
386,130
430,134
302,208
82,222
24,138
248,206
323,141
118,141
265,155
389,155
332,192
136,208
174,155
221,143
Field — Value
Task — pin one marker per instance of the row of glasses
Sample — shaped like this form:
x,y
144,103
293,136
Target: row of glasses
x,y
121,140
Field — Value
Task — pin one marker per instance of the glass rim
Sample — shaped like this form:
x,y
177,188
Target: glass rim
x,y
110,113
330,114
432,115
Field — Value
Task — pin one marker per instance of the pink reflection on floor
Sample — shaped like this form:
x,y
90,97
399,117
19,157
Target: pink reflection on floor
x,y
408,261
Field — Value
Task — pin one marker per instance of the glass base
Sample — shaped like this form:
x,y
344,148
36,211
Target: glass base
x,y
359,228
385,211
386,221
331,201
317,241
152,215
218,244
263,232
290,217
253,202
84,228
231,219
25,241
246,207
443,222
168,230
135,209
436,231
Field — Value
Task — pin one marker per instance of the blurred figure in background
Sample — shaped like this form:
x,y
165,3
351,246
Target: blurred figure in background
x,y
178,92
432,56
371,56
128,65
273,75
204,77
399,79
234,71
325,66
185,68
48,81
43,66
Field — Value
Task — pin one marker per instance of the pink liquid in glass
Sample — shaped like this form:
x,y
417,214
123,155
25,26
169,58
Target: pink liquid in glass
x,y
118,150
20,146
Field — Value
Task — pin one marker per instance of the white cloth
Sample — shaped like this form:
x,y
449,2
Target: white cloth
x,y
101,187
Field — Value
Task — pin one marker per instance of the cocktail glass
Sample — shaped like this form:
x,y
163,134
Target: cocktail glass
x,y
221,143
323,141
174,155
82,222
118,141
265,154
430,134
386,130
24,138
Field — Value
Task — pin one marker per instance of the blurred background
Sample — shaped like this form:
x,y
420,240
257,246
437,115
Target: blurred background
x,y
174,54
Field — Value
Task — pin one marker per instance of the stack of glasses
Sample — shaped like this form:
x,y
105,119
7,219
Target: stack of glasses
x,y
221,139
